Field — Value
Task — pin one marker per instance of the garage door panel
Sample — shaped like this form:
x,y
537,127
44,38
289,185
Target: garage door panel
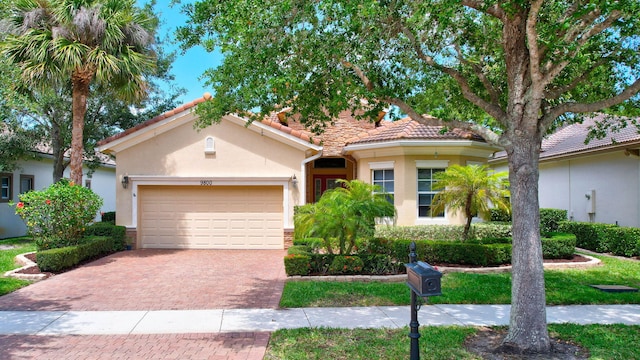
x,y
211,217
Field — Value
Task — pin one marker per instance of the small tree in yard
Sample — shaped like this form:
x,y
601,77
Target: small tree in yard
x,y
58,215
471,189
345,213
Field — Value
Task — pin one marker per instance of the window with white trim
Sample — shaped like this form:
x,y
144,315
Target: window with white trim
x,y
385,179
6,180
426,193
382,174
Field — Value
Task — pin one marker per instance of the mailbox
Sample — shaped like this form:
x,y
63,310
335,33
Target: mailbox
x,y
423,279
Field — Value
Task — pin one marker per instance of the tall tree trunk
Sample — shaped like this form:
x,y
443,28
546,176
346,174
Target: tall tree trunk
x,y
469,216
57,149
80,83
528,321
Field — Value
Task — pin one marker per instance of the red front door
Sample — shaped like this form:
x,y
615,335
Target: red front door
x,y
322,183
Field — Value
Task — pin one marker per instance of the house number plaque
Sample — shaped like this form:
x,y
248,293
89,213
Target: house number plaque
x,y
206,182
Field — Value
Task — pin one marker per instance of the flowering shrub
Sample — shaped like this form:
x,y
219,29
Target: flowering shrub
x,y
58,215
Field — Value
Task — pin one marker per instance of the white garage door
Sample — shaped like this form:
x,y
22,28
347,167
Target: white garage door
x,y
211,217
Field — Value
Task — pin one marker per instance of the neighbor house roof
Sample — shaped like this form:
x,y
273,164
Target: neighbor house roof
x,y
570,140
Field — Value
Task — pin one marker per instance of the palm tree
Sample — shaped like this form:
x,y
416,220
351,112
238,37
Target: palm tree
x,y
471,189
84,43
345,213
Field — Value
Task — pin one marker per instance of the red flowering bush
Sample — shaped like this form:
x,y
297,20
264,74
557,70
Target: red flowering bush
x,y
58,215
345,265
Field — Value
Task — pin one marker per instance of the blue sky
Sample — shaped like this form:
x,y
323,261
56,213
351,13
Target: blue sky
x,y
187,67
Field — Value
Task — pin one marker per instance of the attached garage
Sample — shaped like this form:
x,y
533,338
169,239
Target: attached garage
x,y
210,217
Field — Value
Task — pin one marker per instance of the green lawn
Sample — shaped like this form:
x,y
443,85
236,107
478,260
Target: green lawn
x,y
7,262
564,287
438,343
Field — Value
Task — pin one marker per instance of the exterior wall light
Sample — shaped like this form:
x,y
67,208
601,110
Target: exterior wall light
x,y
125,181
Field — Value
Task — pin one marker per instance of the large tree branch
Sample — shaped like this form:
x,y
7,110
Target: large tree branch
x,y
625,95
490,136
534,51
493,110
556,92
360,74
494,10
551,70
477,69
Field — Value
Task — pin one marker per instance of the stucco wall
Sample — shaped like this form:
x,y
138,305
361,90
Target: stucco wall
x,y
405,178
102,183
240,153
615,178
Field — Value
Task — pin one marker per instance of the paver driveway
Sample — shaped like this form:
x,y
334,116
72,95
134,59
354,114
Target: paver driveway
x,y
161,280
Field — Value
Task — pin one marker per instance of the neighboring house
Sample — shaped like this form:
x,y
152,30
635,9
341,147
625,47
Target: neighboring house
x,y
234,185
597,182
38,175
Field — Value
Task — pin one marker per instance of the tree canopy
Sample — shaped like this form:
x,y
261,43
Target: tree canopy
x,y
508,70
79,43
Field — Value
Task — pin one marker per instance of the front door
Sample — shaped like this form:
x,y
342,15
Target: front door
x,y
322,183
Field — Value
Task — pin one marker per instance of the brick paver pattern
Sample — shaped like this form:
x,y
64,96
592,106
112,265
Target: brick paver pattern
x,y
225,346
161,280
153,280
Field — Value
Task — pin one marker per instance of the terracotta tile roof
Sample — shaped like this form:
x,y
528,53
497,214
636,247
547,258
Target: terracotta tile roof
x,y
335,136
271,121
406,129
571,139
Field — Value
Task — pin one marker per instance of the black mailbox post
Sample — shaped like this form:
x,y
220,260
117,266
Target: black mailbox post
x,y
423,280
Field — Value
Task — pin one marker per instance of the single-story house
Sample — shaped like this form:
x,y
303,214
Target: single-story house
x,y
38,175
234,185
597,182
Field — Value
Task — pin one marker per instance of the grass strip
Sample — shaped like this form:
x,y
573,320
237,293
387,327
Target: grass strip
x,y
19,245
446,342
563,287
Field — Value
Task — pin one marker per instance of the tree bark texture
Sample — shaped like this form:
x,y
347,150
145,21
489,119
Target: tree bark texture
x,y
80,82
528,322
58,151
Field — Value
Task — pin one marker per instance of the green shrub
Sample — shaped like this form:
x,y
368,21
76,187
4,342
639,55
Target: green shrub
x,y
313,242
117,233
500,215
109,217
378,264
58,215
345,265
621,241
444,232
59,259
586,234
558,246
490,230
550,218
297,264
299,250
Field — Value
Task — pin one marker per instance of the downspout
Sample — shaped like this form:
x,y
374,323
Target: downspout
x,y
303,172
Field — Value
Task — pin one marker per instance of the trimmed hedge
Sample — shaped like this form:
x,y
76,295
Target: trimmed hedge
x,y
56,260
550,218
118,233
444,232
109,216
558,246
500,215
297,264
621,241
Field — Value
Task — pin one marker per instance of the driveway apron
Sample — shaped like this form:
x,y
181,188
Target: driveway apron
x,y
161,280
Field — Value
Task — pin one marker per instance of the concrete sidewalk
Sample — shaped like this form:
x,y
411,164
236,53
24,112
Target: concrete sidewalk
x,y
258,320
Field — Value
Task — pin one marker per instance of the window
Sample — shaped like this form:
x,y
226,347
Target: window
x,y
426,192
26,183
5,187
385,179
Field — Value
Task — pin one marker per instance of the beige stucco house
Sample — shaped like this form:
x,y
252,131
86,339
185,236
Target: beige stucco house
x,y
235,186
